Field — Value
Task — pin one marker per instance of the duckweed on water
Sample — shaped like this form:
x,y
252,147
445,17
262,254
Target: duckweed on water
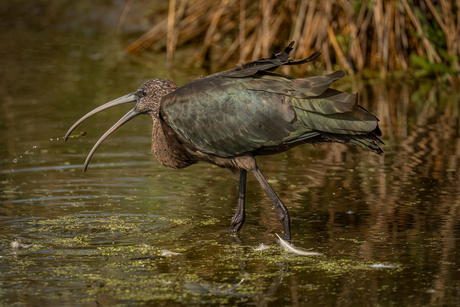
x,y
87,252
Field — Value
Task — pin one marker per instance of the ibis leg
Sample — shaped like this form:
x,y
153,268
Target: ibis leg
x,y
240,214
281,210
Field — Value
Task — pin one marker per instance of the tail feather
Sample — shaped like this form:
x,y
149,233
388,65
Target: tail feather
x,y
369,141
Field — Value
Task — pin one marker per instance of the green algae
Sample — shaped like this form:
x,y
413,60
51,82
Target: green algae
x,y
70,248
177,221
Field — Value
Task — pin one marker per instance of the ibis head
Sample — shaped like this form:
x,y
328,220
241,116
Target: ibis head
x,y
147,99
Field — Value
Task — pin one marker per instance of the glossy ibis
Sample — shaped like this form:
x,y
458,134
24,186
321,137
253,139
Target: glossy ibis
x,y
229,118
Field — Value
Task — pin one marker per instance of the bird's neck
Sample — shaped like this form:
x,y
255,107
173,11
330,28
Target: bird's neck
x,y
168,149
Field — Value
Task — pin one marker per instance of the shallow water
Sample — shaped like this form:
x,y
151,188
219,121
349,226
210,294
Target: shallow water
x,y
388,226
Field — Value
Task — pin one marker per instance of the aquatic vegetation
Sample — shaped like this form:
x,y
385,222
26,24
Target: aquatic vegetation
x,y
120,273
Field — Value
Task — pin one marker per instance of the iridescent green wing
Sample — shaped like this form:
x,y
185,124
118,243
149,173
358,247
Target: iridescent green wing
x,y
220,116
249,107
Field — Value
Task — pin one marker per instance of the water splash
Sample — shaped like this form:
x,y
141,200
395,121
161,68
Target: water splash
x,y
31,151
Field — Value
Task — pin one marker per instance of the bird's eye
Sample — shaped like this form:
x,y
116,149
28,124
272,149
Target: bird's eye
x,y
141,93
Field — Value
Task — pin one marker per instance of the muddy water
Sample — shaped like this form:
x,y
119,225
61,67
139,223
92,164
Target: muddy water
x,y
388,226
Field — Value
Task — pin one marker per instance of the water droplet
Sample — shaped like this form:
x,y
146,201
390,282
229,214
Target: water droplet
x,y
15,161
57,139
350,212
51,139
26,152
34,147
20,157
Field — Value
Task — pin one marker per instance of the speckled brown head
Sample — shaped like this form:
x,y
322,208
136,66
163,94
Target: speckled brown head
x,y
147,99
153,90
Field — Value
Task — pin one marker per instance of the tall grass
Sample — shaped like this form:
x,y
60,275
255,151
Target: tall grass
x,y
377,35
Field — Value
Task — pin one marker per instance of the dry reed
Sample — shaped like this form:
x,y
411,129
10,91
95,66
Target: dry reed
x,y
375,34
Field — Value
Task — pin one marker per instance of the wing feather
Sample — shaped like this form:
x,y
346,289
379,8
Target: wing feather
x,y
249,107
226,122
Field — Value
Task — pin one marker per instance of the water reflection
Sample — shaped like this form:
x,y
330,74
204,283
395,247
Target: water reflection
x,y
357,208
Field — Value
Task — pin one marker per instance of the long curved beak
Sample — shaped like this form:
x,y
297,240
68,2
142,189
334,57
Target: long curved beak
x,y
126,118
124,99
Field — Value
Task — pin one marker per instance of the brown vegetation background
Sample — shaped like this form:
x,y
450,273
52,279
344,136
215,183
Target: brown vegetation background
x,y
357,35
